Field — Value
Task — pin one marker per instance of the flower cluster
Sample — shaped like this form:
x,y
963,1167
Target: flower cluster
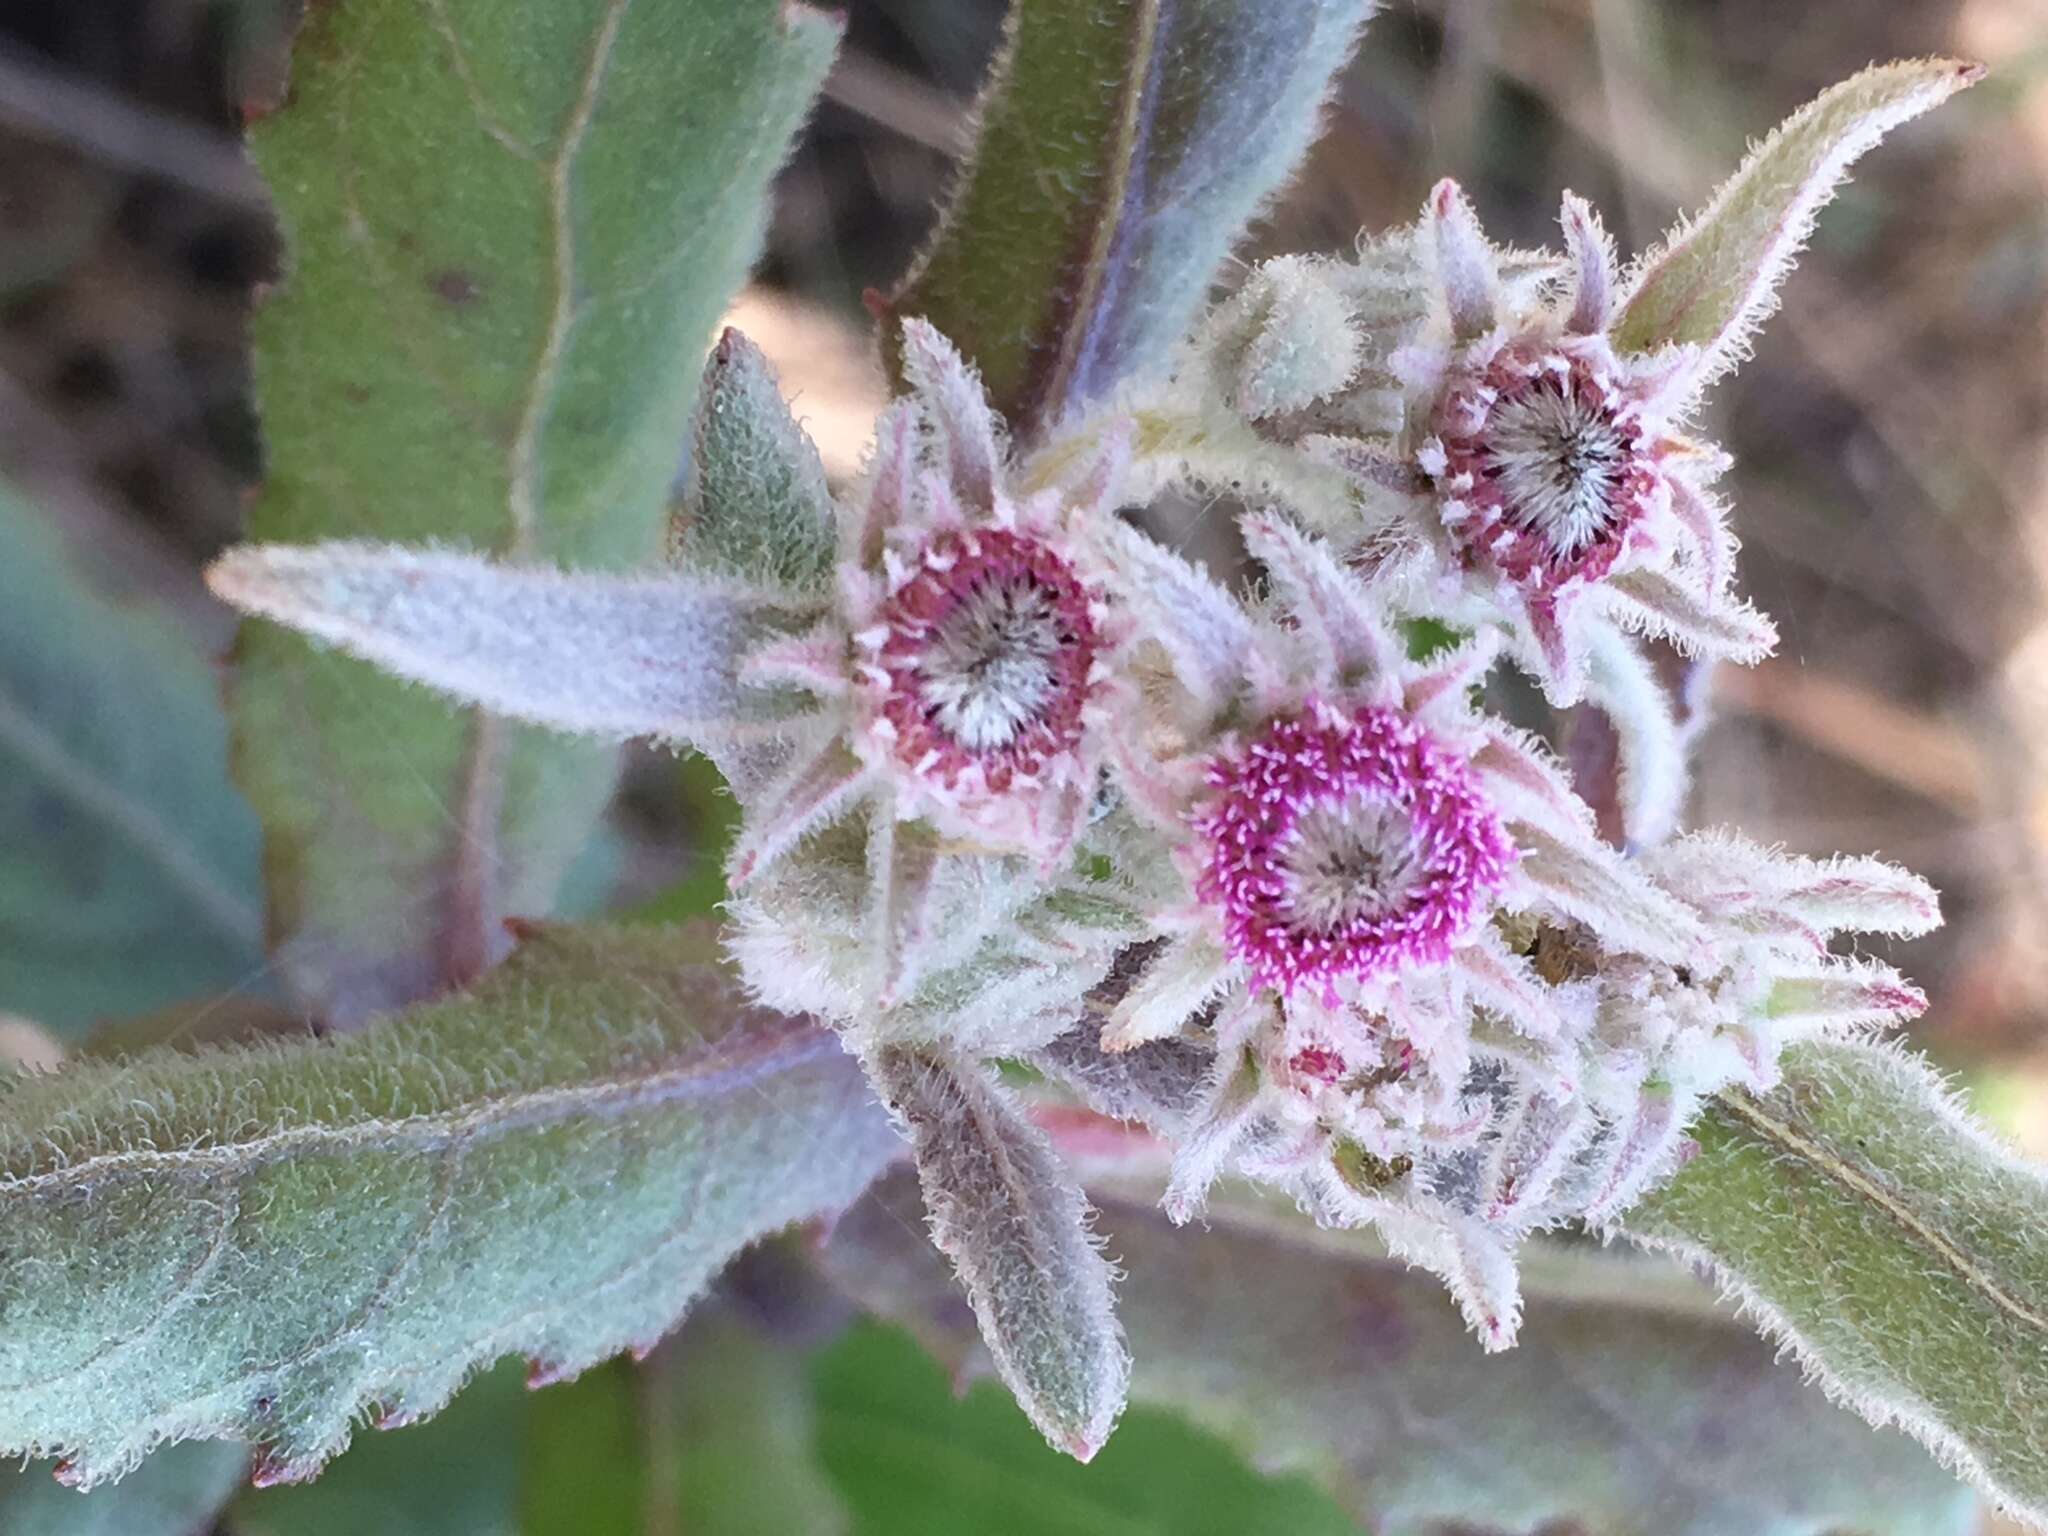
x,y
1008,761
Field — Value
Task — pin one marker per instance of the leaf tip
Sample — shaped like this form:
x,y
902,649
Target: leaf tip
x,y
272,1470
549,1373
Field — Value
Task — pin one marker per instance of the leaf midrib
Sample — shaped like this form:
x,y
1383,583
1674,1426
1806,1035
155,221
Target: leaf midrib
x,y
613,1095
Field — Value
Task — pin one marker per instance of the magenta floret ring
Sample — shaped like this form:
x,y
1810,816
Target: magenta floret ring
x,y
1347,846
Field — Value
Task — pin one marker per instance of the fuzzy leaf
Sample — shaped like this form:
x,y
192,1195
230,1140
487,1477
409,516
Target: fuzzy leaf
x,y
177,1492
1631,1407
610,656
755,503
511,229
1715,279
1008,1215
258,1243
129,878
1867,1221
1124,145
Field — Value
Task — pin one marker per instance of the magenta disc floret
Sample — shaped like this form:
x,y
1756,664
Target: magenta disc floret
x,y
1346,846
1548,468
988,653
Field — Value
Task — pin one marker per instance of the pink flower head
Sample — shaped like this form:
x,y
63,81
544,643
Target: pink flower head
x,y
1347,824
1539,480
1547,465
964,661
1346,846
984,662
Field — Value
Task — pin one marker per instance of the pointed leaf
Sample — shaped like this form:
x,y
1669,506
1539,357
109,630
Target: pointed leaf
x,y
1631,1407
1869,1223
259,1243
1715,279
510,232
755,503
1016,1228
130,878
1124,144
611,656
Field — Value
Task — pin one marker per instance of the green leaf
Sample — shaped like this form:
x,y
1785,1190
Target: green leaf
x,y
585,1473
458,1476
912,1458
1714,280
511,229
177,1492
730,1430
1876,1228
502,1461
259,1243
1632,1405
1006,1211
755,503
129,878
1124,146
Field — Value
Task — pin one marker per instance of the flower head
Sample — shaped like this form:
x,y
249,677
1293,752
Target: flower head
x,y
1556,490
961,674
1346,845
1345,822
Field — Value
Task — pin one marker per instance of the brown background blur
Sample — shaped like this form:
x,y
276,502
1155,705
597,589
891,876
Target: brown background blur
x,y
1891,433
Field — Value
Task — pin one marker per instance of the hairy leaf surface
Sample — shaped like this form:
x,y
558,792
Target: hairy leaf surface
x,y
755,502
1714,279
1631,1406
259,1243
1009,1216
510,231
1874,1226
129,878
1123,146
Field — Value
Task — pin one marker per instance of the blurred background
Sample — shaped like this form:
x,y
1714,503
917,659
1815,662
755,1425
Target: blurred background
x,y
1891,433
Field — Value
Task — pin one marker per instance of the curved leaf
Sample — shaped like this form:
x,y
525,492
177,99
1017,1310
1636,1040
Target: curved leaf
x,y
1124,144
258,1243
1713,280
1008,1215
511,229
1872,1225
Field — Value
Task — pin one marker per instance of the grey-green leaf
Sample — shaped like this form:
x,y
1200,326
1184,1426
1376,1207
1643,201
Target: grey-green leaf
x,y
654,655
755,503
129,877
1714,279
177,1492
1124,145
1009,1216
510,231
1901,1252
1632,1406
259,1243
